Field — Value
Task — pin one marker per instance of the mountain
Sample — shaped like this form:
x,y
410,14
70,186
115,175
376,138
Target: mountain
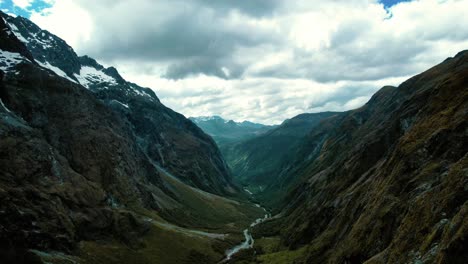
x,y
166,137
385,183
227,131
95,169
257,161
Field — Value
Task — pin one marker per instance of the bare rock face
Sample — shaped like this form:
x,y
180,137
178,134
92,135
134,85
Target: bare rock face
x,y
386,183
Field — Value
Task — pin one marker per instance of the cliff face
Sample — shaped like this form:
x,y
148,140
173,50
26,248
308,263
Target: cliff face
x,y
386,183
82,150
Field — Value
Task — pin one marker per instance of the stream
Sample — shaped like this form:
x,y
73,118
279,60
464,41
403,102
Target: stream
x,y
249,241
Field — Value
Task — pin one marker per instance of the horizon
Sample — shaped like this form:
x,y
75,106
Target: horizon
x,y
261,62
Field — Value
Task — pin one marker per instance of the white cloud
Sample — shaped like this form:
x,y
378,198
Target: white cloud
x,y
22,3
277,58
68,20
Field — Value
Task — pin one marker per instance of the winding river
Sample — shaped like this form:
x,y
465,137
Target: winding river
x,y
249,241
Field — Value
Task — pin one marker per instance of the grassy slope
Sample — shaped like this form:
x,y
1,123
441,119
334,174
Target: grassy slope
x,y
208,211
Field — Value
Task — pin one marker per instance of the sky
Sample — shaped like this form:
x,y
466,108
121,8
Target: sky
x,y
258,60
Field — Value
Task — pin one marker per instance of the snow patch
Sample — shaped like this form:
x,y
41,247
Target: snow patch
x,y
208,118
17,33
124,105
141,93
57,70
10,59
89,75
39,39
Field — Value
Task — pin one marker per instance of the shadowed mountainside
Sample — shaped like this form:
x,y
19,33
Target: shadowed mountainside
x,y
385,183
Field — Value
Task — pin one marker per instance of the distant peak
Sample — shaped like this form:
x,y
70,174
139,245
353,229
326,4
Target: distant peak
x,y
88,61
206,118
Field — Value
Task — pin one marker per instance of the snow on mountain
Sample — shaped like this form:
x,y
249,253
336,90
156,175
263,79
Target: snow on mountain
x,y
56,70
207,118
89,75
9,60
53,53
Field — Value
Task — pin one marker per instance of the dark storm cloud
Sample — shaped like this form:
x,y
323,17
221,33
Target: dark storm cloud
x,y
188,37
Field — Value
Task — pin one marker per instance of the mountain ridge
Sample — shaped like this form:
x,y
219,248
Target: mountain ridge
x,y
228,131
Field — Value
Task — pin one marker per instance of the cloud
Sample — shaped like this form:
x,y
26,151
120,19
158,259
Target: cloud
x,y
188,37
22,3
67,20
262,60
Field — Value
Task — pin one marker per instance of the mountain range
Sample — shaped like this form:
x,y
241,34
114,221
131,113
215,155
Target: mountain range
x,y
95,169
228,131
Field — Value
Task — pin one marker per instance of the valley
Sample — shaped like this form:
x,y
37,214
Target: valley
x,y
96,169
352,187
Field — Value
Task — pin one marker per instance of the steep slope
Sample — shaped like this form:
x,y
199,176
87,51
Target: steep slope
x,y
256,162
82,171
59,180
385,183
227,131
166,137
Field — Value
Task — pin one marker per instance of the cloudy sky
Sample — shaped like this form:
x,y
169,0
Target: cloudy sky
x,y
260,60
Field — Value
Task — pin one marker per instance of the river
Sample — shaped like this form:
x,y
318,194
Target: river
x,y
249,241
